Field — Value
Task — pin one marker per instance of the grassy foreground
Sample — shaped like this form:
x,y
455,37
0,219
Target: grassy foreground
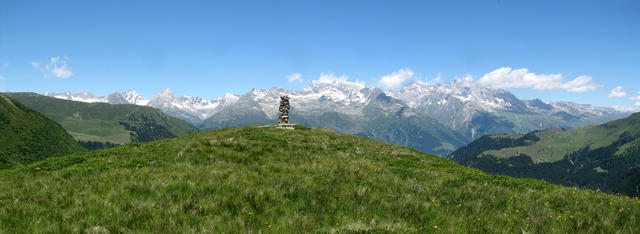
x,y
255,179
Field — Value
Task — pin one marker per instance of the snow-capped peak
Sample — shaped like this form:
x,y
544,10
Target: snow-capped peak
x,y
455,104
80,97
339,83
134,97
166,93
228,97
338,90
130,94
194,109
468,94
575,108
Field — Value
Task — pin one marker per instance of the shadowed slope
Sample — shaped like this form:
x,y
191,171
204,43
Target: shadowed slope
x,y
603,156
27,136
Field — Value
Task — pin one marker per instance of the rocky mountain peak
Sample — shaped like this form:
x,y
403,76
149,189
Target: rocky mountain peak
x,y
165,93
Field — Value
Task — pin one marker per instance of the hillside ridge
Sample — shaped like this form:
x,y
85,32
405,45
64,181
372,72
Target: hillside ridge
x,y
105,125
265,179
27,136
603,157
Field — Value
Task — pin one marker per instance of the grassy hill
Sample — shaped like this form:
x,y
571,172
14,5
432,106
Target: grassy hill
x,y
265,179
106,123
27,136
605,157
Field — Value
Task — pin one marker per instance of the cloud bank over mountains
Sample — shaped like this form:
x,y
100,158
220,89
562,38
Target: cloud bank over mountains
x,y
396,79
294,77
507,77
504,77
501,78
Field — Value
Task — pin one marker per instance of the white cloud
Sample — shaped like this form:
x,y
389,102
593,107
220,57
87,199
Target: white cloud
x,y
581,84
467,79
617,92
295,76
61,72
1,77
331,78
634,108
56,67
628,108
506,77
636,98
396,78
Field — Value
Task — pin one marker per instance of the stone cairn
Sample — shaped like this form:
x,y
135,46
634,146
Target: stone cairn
x,y
283,111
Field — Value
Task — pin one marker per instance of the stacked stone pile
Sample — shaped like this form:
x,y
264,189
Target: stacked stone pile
x,y
283,110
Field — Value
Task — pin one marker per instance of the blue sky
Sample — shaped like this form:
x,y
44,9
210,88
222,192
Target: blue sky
x,y
208,48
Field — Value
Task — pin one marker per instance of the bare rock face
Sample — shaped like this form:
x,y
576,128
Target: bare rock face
x,y
283,110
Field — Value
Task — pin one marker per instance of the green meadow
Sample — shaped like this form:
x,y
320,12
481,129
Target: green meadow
x,y
270,180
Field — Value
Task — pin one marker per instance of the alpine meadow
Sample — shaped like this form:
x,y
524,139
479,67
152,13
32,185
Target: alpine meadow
x,y
461,116
266,179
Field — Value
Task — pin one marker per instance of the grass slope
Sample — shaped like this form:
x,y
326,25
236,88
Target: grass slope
x,y
264,179
107,123
603,156
27,136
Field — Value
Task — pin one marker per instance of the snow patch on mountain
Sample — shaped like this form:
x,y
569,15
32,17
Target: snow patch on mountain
x,y
80,97
134,97
454,104
471,96
193,109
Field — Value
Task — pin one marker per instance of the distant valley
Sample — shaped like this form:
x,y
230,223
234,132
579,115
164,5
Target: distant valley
x,y
102,125
601,157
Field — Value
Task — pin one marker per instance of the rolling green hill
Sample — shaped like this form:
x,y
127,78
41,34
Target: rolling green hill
x,y
265,179
104,124
27,136
605,157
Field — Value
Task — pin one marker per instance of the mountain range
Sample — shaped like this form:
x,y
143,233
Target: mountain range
x,y
269,178
475,111
449,114
191,109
